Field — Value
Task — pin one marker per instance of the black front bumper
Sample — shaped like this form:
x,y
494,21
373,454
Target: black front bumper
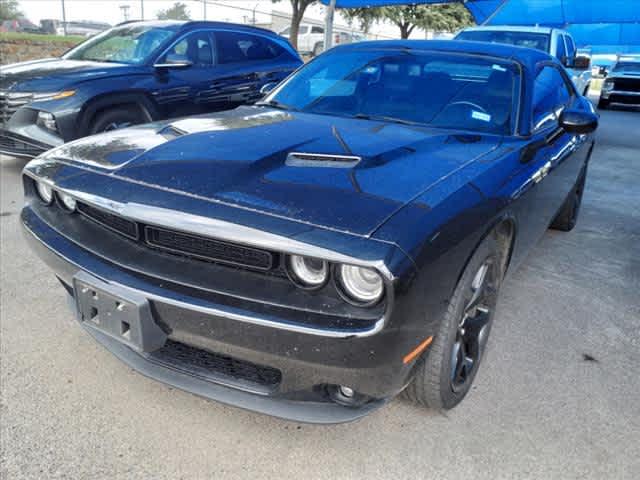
x,y
20,146
310,364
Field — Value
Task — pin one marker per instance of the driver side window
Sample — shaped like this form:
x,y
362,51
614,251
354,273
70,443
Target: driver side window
x,y
551,95
195,48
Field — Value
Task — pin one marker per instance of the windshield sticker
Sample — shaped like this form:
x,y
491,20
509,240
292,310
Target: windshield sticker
x,y
485,117
499,68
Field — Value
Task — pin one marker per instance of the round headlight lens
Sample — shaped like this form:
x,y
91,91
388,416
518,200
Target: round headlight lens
x,y
68,201
45,192
309,272
364,285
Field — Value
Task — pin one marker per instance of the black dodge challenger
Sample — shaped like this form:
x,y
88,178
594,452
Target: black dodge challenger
x,y
343,241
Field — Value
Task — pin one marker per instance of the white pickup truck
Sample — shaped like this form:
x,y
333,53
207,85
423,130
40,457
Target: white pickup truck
x,y
554,41
311,38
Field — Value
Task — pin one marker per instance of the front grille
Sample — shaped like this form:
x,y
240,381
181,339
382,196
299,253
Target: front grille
x,y
208,249
121,225
627,84
215,365
12,143
10,103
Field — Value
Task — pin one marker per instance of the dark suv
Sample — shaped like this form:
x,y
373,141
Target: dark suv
x,y
136,73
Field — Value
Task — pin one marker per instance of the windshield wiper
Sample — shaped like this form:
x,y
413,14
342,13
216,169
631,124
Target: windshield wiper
x,y
275,104
382,118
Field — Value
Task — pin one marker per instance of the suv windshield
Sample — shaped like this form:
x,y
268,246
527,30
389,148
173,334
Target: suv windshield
x,y
132,45
441,90
539,41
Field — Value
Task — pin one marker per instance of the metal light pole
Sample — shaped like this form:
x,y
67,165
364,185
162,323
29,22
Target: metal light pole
x,y
64,19
204,9
141,9
328,25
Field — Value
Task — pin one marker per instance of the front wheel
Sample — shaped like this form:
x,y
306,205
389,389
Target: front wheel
x,y
115,119
449,367
318,49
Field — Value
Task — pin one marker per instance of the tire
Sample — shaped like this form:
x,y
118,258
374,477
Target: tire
x,y
116,118
567,217
317,49
435,384
603,104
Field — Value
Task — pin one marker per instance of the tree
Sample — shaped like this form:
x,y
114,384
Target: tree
x,y
9,10
178,11
299,7
366,17
429,17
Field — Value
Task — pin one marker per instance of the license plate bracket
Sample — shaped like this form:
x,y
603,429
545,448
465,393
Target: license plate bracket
x,y
118,312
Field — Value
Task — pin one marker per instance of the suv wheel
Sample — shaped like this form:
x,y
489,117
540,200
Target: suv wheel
x,y
116,118
318,49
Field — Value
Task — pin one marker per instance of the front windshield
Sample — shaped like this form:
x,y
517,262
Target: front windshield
x,y
539,41
131,45
627,67
426,88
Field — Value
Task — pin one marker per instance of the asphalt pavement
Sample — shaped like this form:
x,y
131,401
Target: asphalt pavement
x,y
557,397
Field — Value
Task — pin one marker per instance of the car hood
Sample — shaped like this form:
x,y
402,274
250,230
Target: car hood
x,y
55,73
242,158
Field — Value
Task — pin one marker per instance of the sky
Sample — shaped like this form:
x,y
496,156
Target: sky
x,y
109,11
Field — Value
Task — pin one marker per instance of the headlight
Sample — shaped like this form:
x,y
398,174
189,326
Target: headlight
x,y
40,97
45,192
308,272
362,285
608,85
47,120
68,201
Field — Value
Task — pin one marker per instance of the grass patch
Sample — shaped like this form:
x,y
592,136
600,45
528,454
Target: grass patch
x,y
34,37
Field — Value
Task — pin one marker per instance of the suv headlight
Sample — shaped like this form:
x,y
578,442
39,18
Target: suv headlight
x,y
47,120
607,85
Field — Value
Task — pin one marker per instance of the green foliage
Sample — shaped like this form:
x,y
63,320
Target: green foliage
x,y
178,11
9,10
365,17
35,37
407,18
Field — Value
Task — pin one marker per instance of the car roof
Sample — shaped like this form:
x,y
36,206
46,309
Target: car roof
x,y
528,57
514,28
184,25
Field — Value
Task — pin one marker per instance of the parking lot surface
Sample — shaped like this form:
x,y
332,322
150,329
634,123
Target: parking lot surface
x,y
557,397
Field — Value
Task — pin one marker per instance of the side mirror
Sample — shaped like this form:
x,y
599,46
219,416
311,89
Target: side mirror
x,y
602,71
582,63
268,88
578,121
174,60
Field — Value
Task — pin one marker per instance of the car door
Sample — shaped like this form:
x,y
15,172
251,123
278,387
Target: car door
x,y
553,158
245,62
558,155
179,89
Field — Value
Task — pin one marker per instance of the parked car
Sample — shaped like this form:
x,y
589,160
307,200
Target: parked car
x,y
554,41
84,28
343,240
21,25
136,73
311,38
622,84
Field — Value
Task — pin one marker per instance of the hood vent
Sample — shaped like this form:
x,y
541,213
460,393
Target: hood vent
x,y
171,131
297,159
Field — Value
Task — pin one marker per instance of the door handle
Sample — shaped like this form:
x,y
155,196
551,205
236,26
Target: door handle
x,y
541,172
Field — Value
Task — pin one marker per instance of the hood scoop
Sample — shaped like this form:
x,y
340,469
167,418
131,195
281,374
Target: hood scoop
x,y
299,159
